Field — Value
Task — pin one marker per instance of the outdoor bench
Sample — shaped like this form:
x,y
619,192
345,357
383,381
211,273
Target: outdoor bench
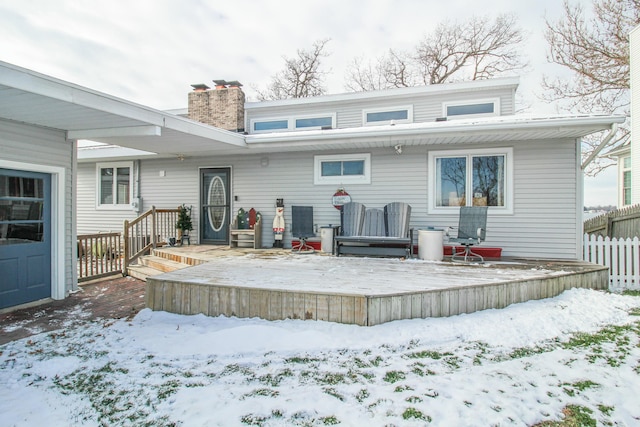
x,y
377,232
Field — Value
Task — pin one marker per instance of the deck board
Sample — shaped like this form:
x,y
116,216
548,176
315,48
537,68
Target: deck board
x,y
363,291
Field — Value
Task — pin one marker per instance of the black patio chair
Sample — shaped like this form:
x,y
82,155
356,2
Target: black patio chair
x,y
472,230
302,228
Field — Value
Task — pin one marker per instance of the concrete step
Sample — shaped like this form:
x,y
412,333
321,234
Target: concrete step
x,y
162,264
141,272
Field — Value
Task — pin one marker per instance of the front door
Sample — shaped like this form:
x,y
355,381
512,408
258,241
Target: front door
x,y
25,237
215,202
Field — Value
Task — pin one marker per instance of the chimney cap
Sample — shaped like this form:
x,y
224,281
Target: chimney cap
x,y
224,83
200,87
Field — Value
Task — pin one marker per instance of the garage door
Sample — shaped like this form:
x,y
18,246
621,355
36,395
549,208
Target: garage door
x,y
25,237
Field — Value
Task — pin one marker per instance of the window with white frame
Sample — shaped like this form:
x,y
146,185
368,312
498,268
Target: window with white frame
x,y
342,169
467,109
304,122
471,178
114,184
626,180
388,115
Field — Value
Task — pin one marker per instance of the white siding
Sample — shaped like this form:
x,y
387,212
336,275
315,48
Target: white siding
x,y
90,219
543,224
38,149
634,55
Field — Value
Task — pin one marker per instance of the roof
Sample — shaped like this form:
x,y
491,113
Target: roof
x,y
30,97
37,99
448,88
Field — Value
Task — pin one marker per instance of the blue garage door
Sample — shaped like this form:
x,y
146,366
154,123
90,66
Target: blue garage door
x,y
25,237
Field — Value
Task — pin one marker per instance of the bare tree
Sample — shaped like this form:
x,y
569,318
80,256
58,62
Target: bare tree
x,y
596,52
301,77
394,69
475,49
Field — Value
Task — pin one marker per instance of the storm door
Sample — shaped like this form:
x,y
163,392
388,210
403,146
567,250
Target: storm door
x,y
25,237
215,202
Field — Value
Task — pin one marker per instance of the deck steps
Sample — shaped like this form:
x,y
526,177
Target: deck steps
x,y
152,265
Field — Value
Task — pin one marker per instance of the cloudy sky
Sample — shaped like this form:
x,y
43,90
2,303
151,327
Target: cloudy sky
x,y
151,51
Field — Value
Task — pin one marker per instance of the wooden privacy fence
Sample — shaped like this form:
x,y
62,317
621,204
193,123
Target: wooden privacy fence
x,y
99,255
150,229
622,256
623,223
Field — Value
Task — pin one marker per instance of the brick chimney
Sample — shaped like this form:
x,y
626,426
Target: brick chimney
x,y
221,107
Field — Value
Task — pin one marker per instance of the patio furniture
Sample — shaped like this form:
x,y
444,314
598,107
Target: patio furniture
x,y
472,229
246,232
381,232
302,228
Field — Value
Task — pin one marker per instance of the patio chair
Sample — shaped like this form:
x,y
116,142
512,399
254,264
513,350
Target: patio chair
x,y
397,216
472,230
302,228
352,218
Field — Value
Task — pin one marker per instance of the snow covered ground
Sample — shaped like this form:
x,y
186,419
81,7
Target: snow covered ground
x,y
515,366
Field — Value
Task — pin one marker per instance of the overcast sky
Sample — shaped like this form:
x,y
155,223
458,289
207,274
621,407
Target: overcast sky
x,y
151,51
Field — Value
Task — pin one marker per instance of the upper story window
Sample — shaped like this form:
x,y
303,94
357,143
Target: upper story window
x,y
114,185
270,125
471,178
306,122
342,169
386,116
476,108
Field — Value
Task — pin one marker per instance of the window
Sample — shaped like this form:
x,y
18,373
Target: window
x,y
270,125
385,116
466,109
476,178
22,201
114,184
342,169
314,122
294,123
626,181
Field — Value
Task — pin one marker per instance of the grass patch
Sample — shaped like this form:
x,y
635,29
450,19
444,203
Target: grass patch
x,y
394,376
330,420
571,389
266,392
362,395
333,392
413,413
574,416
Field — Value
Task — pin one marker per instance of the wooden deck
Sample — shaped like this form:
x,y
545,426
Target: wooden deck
x,y
353,290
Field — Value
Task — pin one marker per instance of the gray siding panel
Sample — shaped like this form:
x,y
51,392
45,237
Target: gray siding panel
x,y
426,108
543,225
91,220
40,146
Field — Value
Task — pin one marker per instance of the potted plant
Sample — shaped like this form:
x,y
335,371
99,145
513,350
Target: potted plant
x,y
184,224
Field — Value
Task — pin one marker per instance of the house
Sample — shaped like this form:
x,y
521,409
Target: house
x,y
622,156
40,120
435,147
634,64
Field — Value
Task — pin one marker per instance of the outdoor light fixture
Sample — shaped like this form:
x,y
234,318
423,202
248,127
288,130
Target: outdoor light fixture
x,y
398,149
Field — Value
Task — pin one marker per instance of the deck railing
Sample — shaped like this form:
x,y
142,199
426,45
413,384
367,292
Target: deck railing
x,y
622,256
99,255
152,228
